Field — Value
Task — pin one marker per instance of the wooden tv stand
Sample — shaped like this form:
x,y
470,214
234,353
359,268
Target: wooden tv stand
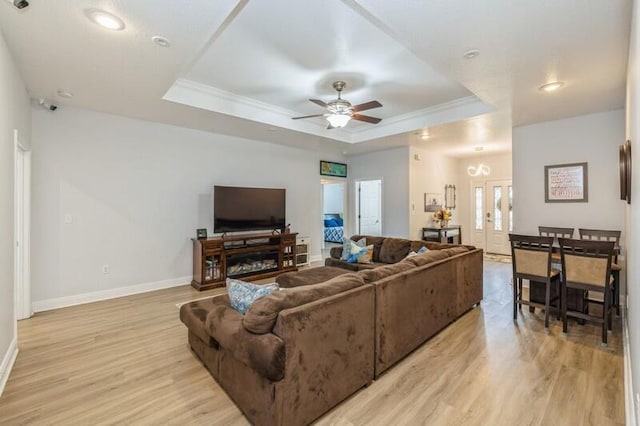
x,y
246,257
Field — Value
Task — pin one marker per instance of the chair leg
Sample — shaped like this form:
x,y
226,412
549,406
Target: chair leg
x,y
515,298
616,291
563,301
559,300
610,312
606,314
547,303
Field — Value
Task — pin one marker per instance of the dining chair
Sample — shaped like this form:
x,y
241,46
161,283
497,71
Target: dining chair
x,y
531,260
550,231
604,235
586,265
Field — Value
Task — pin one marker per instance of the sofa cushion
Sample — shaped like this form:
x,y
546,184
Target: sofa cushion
x,y
372,275
194,314
455,250
309,276
264,353
428,257
262,315
432,245
418,245
337,263
335,252
242,294
394,250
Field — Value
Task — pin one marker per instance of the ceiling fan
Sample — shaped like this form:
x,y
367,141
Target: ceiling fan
x,y
340,111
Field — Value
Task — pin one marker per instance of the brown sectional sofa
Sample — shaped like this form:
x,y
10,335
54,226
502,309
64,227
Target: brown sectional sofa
x,y
299,352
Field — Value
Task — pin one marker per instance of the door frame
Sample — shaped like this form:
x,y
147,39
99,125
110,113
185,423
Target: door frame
x,y
331,180
357,203
22,230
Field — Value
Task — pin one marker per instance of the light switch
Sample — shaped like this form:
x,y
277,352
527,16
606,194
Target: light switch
x,y
68,218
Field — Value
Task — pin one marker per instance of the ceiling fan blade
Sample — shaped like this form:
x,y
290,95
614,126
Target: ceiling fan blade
x,y
367,105
319,102
307,116
366,118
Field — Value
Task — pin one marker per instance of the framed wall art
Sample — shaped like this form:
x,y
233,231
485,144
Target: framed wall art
x,y
329,168
566,183
432,202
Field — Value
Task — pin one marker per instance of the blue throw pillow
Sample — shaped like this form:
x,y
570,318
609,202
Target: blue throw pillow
x,y
332,223
423,250
242,294
327,223
339,221
347,244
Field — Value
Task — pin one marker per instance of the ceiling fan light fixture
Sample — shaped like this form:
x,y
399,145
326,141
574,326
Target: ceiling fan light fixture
x,y
551,87
338,120
105,19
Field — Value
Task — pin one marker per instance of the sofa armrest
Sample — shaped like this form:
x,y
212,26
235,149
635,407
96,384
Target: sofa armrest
x,y
329,346
335,252
264,353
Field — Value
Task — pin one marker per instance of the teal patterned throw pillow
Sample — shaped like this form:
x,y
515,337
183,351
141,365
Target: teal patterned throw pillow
x,y
242,294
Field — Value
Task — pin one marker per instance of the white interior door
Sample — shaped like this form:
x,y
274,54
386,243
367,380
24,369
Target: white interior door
x,y
499,216
21,231
369,207
478,222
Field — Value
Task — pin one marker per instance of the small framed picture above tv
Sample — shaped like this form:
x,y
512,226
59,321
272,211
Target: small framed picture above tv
x,y
329,168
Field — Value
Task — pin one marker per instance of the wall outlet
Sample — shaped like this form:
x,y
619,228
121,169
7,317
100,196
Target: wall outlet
x,y
106,269
68,218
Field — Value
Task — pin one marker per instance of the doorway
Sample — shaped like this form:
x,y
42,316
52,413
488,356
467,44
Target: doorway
x,y
22,220
492,215
369,207
334,201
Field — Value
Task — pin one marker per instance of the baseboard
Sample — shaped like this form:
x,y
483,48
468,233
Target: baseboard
x,y
316,258
7,363
112,293
629,403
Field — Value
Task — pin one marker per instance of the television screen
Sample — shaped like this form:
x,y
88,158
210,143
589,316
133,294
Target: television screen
x,y
248,209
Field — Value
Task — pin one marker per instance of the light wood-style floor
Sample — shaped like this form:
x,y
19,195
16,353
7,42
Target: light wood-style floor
x,y
126,361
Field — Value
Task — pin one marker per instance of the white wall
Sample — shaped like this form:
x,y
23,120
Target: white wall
x,y
392,166
500,170
633,217
333,197
430,174
15,113
137,191
592,138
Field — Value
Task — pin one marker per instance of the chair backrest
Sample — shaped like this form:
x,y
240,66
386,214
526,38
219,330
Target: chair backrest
x,y
549,231
600,235
586,261
531,256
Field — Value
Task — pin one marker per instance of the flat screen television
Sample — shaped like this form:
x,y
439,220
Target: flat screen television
x,y
248,209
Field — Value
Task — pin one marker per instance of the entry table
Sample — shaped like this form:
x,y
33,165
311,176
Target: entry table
x,y
451,234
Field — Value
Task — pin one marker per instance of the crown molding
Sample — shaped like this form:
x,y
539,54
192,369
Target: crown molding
x,y
202,96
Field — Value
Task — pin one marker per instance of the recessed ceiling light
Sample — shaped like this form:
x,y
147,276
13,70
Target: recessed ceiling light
x,y
65,94
161,41
478,148
424,136
471,53
105,19
551,87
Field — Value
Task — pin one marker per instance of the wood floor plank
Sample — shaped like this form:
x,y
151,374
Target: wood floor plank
x,y
126,361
